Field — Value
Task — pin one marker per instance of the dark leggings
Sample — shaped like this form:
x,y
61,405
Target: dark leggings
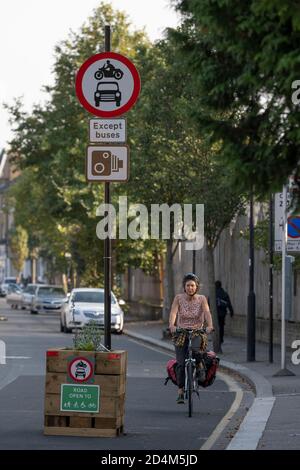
x,y
221,321
181,355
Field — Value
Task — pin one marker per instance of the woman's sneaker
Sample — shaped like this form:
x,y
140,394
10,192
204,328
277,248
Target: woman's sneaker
x,y
180,398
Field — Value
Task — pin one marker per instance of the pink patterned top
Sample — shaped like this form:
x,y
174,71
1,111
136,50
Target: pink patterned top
x,y
192,313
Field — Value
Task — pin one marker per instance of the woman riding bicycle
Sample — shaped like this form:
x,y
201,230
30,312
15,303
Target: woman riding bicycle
x,y
191,311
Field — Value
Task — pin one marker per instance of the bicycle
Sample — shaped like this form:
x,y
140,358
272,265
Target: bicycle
x,y
191,377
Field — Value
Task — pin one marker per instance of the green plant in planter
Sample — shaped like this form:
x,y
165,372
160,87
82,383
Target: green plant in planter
x,y
88,338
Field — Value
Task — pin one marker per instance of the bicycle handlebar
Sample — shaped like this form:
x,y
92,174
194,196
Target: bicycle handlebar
x,y
187,330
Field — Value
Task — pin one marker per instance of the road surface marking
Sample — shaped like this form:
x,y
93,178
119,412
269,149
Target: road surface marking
x,y
17,357
153,348
233,387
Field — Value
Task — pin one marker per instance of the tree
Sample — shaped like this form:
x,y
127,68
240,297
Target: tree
x,y
222,203
244,59
172,163
19,247
165,160
52,198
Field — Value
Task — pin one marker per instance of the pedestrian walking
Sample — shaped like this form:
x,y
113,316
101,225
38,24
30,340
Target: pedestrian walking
x,y
223,305
190,311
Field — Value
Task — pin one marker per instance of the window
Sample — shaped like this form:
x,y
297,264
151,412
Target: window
x,y
108,86
91,297
51,291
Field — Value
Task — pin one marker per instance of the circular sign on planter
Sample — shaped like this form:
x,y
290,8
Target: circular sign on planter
x,y
81,369
108,84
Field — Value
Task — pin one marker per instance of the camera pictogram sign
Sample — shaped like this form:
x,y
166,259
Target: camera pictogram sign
x,y
108,84
107,163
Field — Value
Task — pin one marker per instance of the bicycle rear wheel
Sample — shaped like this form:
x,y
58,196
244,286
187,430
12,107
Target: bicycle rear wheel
x,y
190,388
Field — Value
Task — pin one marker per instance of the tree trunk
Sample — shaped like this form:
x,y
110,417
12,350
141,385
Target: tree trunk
x,y
161,276
74,277
209,251
129,283
169,285
33,269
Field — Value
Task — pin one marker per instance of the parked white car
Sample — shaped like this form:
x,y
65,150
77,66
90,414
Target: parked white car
x,y
86,304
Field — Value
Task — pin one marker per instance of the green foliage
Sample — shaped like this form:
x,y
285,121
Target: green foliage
x,y
19,247
52,199
171,162
243,58
88,338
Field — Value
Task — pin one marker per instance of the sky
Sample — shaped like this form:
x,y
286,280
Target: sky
x,y
30,29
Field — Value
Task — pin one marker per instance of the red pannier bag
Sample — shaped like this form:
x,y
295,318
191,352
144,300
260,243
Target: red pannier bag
x,y
171,370
211,361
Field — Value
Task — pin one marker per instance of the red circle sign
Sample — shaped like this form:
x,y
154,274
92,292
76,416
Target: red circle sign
x,y
108,84
80,369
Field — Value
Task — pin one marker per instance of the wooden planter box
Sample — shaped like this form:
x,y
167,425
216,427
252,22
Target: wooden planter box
x,y
99,397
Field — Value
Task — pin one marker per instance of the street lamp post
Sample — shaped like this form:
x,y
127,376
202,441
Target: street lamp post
x,y
194,261
271,279
251,295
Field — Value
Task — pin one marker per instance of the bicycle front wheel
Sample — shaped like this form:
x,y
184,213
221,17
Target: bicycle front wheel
x,y
190,388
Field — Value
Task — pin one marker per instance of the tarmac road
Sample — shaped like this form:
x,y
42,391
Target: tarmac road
x,y
153,420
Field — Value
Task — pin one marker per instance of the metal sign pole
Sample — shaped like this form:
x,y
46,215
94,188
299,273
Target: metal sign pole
x,y
283,371
107,163
107,245
284,241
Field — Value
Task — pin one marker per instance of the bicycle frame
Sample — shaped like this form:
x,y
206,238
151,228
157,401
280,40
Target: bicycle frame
x,y
191,383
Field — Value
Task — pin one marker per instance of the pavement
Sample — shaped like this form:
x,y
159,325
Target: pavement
x,y
273,418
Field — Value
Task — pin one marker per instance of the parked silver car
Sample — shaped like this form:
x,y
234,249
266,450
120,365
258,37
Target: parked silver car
x,y
5,284
48,298
28,294
14,296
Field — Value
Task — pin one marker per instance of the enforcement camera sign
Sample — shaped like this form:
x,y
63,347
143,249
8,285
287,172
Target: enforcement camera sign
x,y
107,163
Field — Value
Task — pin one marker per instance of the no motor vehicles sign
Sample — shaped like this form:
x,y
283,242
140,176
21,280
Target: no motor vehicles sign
x,y
107,84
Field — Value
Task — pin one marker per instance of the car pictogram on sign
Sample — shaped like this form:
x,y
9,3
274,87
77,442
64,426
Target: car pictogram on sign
x,y
107,91
80,369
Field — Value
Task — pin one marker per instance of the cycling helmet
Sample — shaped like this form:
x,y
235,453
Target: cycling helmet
x,y
190,277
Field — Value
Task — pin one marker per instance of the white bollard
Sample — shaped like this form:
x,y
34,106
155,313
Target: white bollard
x,y
2,353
